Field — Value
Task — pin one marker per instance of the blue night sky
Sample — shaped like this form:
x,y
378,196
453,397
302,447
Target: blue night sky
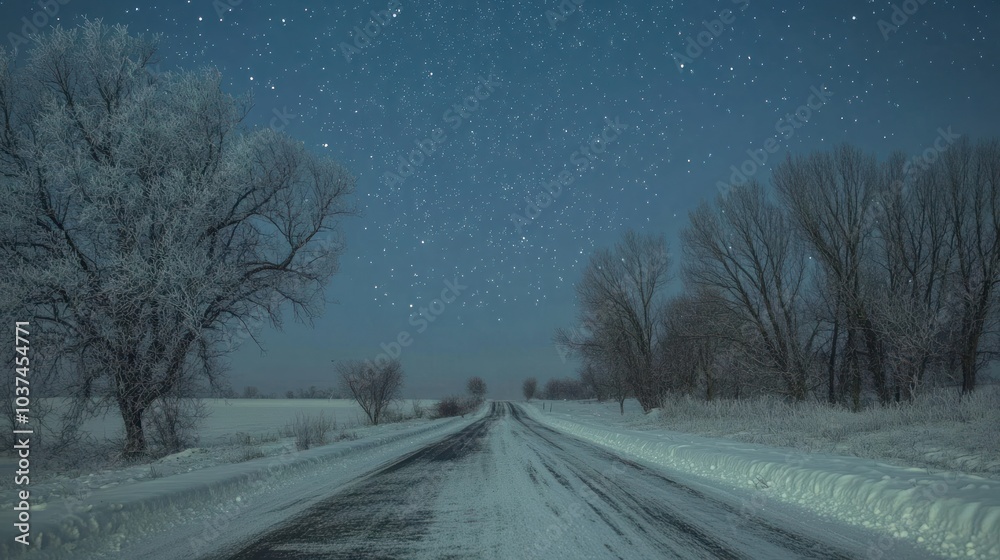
x,y
548,84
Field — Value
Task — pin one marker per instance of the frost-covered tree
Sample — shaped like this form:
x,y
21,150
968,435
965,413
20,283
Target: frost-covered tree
x,y
621,297
700,326
910,309
969,174
145,224
827,197
373,385
529,387
477,388
607,377
739,251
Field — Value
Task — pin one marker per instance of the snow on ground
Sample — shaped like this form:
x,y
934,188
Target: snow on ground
x,y
951,514
252,416
235,431
116,514
941,429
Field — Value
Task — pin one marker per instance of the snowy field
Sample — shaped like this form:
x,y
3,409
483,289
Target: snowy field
x,y
940,431
123,506
257,417
234,431
949,513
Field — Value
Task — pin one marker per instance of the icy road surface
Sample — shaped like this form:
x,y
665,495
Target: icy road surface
x,y
508,487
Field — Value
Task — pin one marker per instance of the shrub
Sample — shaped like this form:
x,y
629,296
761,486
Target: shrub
x,y
391,416
249,454
173,423
310,431
346,436
453,406
418,409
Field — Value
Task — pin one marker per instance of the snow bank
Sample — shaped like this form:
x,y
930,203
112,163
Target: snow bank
x,y
952,515
62,529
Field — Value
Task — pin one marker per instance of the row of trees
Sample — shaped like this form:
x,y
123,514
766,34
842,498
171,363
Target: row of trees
x,y
566,388
558,389
376,385
851,277
312,392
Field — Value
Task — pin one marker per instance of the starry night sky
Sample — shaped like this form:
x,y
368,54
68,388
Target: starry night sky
x,y
556,82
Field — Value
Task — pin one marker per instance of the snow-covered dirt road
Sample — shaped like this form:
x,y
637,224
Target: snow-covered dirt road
x,y
506,486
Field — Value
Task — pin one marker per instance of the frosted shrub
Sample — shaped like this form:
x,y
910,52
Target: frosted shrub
x,y
310,430
173,423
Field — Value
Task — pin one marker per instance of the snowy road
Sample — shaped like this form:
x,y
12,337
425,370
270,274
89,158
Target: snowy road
x,y
508,487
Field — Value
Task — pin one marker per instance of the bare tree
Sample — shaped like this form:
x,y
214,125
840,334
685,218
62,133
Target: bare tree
x,y
373,385
567,388
147,227
591,377
914,341
828,309
827,196
970,177
622,291
739,251
604,368
529,388
698,327
914,271
607,378
477,388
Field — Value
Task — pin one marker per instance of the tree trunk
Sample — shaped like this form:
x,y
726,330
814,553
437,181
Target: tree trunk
x,y
831,394
853,369
646,401
971,350
873,345
621,406
969,368
135,439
